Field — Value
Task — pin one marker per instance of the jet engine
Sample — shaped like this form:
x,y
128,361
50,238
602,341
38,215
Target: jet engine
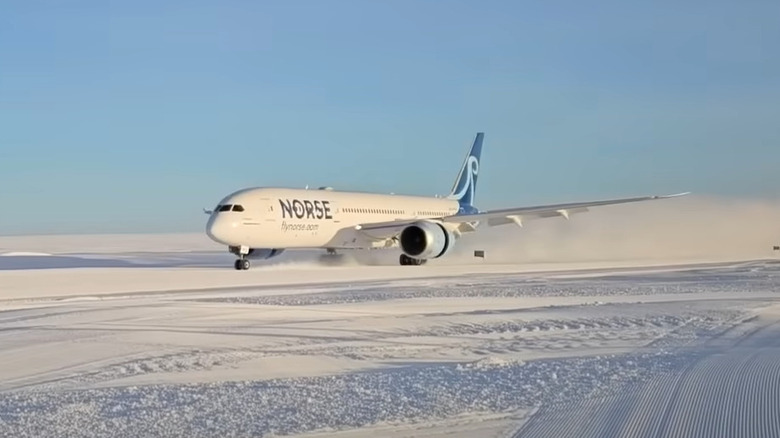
x,y
263,253
426,240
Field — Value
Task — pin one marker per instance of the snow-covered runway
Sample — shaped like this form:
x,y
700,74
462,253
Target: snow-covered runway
x,y
729,386
187,348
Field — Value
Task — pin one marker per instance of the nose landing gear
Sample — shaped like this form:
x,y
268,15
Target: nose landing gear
x,y
242,264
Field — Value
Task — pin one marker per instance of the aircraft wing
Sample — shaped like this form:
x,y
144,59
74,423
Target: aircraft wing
x,y
518,214
467,222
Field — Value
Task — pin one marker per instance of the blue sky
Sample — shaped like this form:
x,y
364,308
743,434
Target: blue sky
x,y
132,116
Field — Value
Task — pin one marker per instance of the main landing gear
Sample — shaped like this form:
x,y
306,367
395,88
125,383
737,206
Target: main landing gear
x,y
331,257
405,260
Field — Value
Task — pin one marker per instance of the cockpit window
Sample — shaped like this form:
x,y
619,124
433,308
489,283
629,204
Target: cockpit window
x,y
225,207
238,207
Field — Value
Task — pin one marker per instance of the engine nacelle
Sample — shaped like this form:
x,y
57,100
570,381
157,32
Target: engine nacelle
x,y
426,240
263,253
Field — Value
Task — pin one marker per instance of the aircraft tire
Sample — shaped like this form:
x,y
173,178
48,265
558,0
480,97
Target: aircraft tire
x,y
405,260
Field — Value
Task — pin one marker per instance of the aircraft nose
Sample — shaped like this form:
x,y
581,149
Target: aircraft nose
x,y
220,229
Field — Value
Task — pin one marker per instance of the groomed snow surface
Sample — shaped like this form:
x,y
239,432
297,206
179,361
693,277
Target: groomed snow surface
x,y
177,344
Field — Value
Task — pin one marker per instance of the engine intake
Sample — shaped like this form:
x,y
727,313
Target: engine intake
x,y
426,240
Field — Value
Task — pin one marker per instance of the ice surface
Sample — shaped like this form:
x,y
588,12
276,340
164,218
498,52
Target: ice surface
x,y
175,343
729,388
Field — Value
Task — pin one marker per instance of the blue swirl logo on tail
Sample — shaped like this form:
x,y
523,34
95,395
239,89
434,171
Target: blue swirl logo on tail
x,y
467,182
465,187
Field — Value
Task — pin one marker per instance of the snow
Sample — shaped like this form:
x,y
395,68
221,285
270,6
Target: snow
x,y
109,339
731,392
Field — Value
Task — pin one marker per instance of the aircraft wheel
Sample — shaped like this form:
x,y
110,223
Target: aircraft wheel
x,y
242,264
405,260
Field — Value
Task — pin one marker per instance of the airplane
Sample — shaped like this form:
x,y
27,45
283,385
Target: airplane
x,y
262,222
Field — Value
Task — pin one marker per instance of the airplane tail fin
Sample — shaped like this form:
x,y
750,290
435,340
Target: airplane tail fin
x,y
465,185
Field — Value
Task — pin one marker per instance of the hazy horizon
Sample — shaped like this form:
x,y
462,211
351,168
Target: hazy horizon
x,y
132,117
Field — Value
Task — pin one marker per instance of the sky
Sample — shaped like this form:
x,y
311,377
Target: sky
x,y
133,116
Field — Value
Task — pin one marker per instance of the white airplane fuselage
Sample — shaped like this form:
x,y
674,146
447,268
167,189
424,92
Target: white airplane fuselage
x,y
318,218
260,223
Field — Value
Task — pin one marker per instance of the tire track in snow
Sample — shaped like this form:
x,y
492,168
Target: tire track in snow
x,y
725,392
